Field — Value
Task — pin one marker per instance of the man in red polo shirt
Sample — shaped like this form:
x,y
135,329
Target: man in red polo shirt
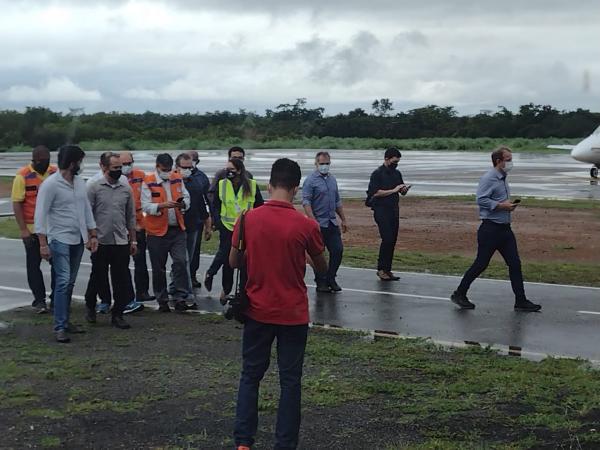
x,y
277,240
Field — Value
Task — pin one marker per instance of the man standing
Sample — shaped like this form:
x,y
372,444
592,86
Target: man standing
x,y
164,197
113,207
197,217
25,190
64,222
278,303
321,201
383,196
495,233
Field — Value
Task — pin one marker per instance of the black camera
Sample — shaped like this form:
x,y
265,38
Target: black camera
x,y
233,307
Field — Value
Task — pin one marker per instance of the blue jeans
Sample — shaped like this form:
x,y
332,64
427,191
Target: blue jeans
x,y
256,353
65,265
332,238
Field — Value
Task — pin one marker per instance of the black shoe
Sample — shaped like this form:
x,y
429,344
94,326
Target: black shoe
x,y
323,288
461,300
208,280
90,315
144,297
164,307
61,336
335,287
193,307
181,306
119,322
40,308
392,276
384,275
527,306
74,329
196,284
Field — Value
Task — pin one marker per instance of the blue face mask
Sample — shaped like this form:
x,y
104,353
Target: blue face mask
x,y
323,169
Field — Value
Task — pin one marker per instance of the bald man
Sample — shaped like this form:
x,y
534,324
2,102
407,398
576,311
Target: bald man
x,y
24,197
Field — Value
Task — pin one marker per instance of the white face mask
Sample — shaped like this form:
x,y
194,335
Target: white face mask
x,y
164,175
508,166
126,169
323,169
185,173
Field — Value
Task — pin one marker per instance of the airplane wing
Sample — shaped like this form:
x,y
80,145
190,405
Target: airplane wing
x,y
561,147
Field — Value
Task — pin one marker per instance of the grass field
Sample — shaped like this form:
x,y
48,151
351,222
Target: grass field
x,y
358,392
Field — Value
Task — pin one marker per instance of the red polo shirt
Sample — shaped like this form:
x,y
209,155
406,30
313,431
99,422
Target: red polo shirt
x,y
277,240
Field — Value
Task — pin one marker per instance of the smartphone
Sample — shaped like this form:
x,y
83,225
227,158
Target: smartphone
x,y
516,201
179,200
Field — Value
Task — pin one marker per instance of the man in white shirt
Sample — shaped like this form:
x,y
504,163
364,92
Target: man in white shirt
x,y
64,223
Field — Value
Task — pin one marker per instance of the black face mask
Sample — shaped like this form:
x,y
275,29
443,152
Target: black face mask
x,y
115,174
393,166
40,166
231,174
76,169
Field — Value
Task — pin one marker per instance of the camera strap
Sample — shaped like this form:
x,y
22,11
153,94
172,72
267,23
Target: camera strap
x,y
241,247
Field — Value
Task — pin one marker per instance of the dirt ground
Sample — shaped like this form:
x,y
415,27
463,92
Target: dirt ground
x,y
441,226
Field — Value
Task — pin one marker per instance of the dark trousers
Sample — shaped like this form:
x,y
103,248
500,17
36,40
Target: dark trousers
x,y
116,259
332,238
388,222
140,273
195,261
35,279
256,353
221,259
160,247
491,237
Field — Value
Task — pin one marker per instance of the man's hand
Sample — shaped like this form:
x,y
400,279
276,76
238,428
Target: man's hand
x,y
45,252
506,206
344,226
168,205
404,189
92,244
132,248
25,233
207,233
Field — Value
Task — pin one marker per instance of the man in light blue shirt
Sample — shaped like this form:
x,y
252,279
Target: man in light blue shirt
x,y
321,201
64,223
495,233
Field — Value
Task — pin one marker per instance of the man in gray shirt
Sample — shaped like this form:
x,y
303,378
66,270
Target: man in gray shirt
x,y
64,222
112,204
495,208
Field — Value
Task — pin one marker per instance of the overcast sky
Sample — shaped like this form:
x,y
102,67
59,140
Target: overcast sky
x,y
193,55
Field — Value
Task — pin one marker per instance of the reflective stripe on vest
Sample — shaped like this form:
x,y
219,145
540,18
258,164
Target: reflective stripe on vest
x,y
32,186
233,205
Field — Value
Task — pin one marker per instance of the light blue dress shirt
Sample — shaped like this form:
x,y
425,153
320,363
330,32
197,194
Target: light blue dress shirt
x,y
493,189
322,194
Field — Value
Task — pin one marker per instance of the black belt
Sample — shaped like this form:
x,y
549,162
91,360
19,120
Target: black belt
x,y
491,222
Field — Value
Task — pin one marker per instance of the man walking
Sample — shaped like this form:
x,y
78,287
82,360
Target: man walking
x,y
383,195
25,190
277,237
495,233
113,207
164,197
321,201
64,222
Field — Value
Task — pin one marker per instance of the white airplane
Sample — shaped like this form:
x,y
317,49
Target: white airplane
x,y
587,151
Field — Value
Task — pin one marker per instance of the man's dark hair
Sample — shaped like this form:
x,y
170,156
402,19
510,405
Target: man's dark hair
x,y
285,174
40,152
235,149
68,154
318,155
165,160
106,157
181,156
498,154
392,152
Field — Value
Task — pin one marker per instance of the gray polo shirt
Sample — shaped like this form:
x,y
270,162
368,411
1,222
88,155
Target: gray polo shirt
x,y
62,210
114,211
493,189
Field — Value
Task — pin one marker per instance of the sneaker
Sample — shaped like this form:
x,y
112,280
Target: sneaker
x,y
181,306
61,336
74,329
335,287
196,284
193,307
461,300
103,308
144,297
323,288
90,315
40,308
527,306
119,322
208,281
132,307
164,307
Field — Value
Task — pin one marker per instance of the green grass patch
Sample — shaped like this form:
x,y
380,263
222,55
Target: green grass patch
x,y
50,442
9,228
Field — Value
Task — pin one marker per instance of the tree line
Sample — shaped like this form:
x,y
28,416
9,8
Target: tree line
x,y
39,125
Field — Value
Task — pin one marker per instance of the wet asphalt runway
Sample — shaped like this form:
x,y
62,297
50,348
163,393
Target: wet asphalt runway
x,y
416,306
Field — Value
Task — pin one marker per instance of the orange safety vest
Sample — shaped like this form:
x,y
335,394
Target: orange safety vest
x,y
136,179
32,186
159,225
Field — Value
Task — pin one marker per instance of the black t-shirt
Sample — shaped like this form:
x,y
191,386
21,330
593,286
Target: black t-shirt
x,y
385,178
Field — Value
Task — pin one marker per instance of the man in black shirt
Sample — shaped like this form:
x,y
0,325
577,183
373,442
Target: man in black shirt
x,y
385,187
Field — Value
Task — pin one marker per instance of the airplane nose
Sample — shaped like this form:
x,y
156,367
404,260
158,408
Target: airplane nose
x,y
578,152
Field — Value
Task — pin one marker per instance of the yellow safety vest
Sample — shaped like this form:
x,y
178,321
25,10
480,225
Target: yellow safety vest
x,y
233,205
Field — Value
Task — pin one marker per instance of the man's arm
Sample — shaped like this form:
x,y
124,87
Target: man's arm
x,y
339,209
42,208
307,198
485,201
235,255
186,197
319,263
154,209
18,198
131,222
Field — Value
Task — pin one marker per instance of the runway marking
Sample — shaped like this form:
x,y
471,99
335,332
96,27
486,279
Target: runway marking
x,y
596,313
395,294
